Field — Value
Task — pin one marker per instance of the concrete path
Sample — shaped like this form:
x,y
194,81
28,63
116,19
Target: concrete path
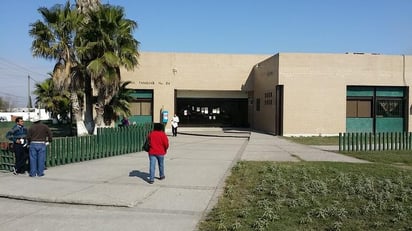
x,y
272,148
113,194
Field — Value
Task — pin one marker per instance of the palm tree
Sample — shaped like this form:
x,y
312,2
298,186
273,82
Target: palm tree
x,y
54,40
55,102
103,46
89,45
119,105
4,104
85,6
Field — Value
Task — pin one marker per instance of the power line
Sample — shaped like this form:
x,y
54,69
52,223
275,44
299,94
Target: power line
x,y
33,79
10,63
11,95
18,67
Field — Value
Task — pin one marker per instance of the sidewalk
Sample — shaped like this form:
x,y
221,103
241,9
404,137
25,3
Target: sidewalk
x,y
112,193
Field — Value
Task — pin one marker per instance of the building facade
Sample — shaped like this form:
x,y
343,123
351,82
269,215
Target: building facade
x,y
203,89
290,94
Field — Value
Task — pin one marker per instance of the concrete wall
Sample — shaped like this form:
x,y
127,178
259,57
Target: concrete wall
x,y
265,75
315,87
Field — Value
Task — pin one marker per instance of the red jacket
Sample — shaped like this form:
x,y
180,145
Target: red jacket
x,y
159,143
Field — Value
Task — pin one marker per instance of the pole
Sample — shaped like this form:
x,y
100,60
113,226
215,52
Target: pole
x,y
28,94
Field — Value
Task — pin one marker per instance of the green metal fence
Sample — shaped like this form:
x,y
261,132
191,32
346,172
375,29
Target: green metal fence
x,y
108,142
375,141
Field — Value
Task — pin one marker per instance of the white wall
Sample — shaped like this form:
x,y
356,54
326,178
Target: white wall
x,y
28,115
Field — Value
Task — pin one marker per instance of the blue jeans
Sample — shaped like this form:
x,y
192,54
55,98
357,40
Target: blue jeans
x,y
160,161
37,159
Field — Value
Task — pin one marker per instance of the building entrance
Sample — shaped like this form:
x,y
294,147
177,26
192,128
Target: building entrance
x,y
224,112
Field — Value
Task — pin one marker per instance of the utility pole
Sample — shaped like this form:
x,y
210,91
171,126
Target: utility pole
x,y
29,97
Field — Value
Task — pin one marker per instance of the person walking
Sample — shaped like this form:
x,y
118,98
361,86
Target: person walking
x,y
39,136
175,124
18,135
159,143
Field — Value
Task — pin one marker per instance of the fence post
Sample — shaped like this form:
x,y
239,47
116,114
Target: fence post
x,y
404,140
409,140
370,141
360,142
357,141
6,156
379,141
397,141
51,154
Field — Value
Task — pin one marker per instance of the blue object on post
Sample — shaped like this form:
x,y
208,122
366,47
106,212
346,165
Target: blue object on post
x,y
165,116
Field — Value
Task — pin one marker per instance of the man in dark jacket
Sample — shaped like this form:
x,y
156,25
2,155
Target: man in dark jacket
x,y
39,136
17,135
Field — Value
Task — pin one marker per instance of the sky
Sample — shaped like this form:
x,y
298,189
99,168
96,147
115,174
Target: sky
x,y
219,26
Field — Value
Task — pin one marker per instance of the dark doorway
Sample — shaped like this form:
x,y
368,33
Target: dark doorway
x,y
212,112
279,111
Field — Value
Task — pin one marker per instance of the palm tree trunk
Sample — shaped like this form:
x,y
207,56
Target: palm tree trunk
x,y
99,108
85,6
102,100
77,112
88,93
99,119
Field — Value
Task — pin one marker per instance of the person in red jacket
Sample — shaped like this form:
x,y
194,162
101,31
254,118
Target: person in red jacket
x,y
159,143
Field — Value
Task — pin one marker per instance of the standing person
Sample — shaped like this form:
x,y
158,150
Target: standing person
x,y
159,143
125,121
39,136
175,124
17,135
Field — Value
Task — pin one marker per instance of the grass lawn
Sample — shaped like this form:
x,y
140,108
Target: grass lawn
x,y
314,196
396,157
314,140
317,195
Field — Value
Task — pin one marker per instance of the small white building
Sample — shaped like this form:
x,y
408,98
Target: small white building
x,y
28,114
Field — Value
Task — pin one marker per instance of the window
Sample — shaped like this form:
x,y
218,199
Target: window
x,y
142,104
268,98
359,108
389,108
376,108
366,102
141,107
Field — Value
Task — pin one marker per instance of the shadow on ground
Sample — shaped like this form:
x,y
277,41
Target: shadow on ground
x,y
142,175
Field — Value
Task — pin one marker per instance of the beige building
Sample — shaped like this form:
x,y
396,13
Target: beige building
x,y
287,94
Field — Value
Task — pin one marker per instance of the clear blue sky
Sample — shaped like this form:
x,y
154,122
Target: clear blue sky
x,y
221,26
